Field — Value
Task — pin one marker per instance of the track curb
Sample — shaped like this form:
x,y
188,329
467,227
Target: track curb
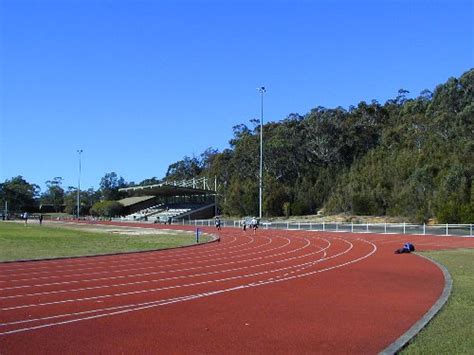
x,y
403,340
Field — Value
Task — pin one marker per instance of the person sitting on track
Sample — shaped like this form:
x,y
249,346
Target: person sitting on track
x,y
407,248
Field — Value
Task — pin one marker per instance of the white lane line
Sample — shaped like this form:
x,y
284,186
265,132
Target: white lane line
x,y
98,310
274,262
156,264
154,273
150,273
48,264
122,294
155,267
154,304
374,249
157,257
120,259
177,277
36,265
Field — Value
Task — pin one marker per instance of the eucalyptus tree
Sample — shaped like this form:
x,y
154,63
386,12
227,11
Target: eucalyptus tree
x,y
54,194
18,195
88,198
110,185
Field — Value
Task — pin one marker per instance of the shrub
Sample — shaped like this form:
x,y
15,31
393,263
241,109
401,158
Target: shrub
x,y
107,209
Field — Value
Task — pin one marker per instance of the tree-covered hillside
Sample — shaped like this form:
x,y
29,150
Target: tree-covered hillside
x,y
410,157
407,157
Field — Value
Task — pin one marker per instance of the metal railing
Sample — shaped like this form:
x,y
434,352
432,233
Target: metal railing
x,y
460,230
194,183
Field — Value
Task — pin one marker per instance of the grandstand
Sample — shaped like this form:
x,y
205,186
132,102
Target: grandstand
x,y
168,201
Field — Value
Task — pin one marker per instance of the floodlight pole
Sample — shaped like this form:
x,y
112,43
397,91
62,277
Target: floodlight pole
x,y
79,185
215,195
262,91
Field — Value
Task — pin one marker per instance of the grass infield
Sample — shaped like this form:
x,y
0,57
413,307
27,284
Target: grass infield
x,y
32,241
451,331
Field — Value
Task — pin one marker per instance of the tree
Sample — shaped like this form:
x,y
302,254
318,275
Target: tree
x,y
401,158
107,209
54,195
110,185
150,181
275,198
19,194
185,169
87,199
207,158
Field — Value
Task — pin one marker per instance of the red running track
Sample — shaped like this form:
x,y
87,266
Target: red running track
x,y
270,292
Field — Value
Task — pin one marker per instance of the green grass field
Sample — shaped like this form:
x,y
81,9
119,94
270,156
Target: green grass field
x,y
32,241
451,331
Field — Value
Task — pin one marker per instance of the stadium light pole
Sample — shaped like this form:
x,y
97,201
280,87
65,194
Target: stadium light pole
x,y
262,91
79,185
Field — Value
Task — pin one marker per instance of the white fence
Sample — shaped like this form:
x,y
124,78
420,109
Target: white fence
x,y
460,230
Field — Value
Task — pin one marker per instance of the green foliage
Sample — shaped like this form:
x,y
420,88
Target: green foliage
x,y
184,169
408,157
275,198
87,199
240,198
110,185
150,181
54,195
411,157
19,194
107,209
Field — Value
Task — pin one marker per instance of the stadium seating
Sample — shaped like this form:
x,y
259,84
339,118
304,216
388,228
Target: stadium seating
x,y
159,214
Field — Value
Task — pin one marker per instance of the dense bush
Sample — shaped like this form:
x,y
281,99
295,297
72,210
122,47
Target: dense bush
x,y
107,209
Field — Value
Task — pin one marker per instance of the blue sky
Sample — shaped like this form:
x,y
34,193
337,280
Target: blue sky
x,y
140,84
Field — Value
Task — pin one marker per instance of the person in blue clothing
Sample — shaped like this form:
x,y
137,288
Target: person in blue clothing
x,y
407,248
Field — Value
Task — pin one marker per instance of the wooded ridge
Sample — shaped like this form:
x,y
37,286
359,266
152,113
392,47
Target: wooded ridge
x,y
410,157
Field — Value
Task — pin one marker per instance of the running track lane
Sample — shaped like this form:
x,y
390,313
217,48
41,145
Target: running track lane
x,y
273,292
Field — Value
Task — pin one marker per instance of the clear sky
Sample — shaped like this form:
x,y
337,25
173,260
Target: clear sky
x,y
140,84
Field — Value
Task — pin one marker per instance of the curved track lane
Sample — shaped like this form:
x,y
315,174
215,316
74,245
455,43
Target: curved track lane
x,y
273,291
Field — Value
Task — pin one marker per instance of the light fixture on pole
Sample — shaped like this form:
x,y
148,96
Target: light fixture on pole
x,y
79,185
262,91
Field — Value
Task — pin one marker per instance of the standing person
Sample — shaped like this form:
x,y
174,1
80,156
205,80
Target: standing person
x,y
254,224
218,223
244,224
41,219
25,216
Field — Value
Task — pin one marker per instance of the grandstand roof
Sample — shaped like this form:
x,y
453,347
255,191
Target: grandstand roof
x,y
166,189
129,201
